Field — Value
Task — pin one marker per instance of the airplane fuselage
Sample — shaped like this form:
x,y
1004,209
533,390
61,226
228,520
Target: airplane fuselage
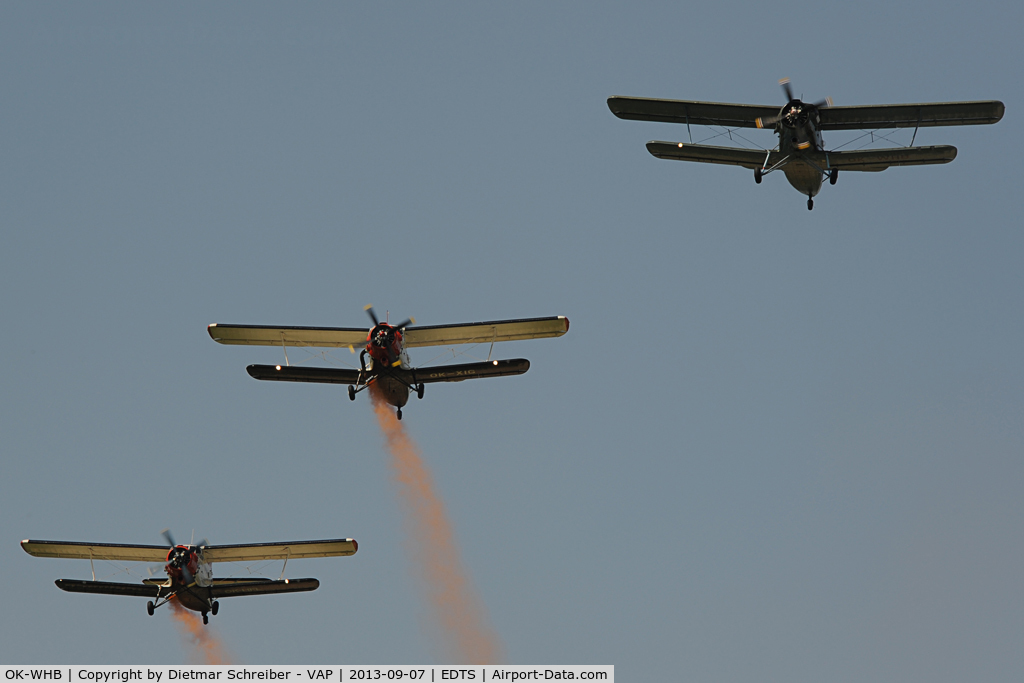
x,y
385,345
190,577
799,135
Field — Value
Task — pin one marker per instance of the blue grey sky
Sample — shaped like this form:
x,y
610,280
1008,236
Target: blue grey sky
x,y
775,444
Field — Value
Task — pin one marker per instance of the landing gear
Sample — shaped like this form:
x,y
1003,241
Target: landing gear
x,y
206,618
833,176
419,391
150,607
214,607
757,175
810,203
399,413
351,393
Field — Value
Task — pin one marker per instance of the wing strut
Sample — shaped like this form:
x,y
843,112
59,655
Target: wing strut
x,y
91,565
492,343
285,349
288,553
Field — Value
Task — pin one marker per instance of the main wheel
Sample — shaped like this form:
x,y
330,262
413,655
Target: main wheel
x,y
833,176
351,393
214,607
419,391
757,176
810,203
206,618
150,607
399,413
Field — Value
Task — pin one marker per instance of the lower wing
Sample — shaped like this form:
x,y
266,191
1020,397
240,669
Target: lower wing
x,y
463,371
441,373
734,156
881,159
227,588
137,590
860,160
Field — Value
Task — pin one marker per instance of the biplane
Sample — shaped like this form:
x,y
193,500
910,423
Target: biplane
x,y
801,154
189,569
388,365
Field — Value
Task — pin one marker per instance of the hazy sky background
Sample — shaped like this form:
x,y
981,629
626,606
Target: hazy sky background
x,y
775,444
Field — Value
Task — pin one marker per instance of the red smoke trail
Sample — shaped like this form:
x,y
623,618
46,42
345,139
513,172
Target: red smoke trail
x,y
209,649
431,546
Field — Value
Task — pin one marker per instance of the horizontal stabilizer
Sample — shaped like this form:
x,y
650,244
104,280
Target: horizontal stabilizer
x,y
298,373
136,590
231,590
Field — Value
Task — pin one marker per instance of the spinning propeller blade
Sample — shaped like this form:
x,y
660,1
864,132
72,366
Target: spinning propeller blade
x,y
179,557
786,89
373,316
403,325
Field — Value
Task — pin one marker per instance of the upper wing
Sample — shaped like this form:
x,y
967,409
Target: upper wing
x,y
685,111
117,552
280,551
476,333
256,335
747,158
881,159
227,589
911,115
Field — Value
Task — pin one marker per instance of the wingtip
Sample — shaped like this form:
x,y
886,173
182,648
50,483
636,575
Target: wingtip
x,y
1000,110
566,323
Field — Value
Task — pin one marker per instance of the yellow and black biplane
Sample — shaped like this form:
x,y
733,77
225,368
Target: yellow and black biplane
x,y
801,152
385,345
189,568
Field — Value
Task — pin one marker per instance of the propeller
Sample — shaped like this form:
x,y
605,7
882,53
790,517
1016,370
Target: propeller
x,y
376,321
179,556
786,89
794,110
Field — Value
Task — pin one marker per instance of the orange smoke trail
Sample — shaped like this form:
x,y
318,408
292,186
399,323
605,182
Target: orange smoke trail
x,y
431,546
209,649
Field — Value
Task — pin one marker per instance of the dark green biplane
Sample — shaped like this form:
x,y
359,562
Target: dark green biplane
x,y
801,153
